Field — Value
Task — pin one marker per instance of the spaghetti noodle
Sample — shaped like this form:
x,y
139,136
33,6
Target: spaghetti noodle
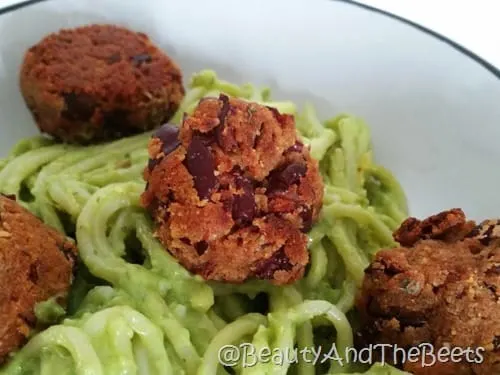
x,y
143,313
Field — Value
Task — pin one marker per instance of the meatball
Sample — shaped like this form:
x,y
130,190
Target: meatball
x,y
36,263
441,287
233,192
99,82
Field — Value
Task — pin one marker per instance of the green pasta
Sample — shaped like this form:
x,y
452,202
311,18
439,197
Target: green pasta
x,y
135,310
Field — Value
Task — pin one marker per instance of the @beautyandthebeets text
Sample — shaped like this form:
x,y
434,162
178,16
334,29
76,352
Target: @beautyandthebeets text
x,y
247,355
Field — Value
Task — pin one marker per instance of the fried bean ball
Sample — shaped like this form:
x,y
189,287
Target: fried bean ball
x,y
233,192
36,263
440,287
98,83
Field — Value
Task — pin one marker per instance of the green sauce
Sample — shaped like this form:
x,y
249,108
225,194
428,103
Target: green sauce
x,y
156,318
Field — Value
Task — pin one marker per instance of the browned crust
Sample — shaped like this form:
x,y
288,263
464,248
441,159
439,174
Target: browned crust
x,y
36,263
253,143
99,82
443,288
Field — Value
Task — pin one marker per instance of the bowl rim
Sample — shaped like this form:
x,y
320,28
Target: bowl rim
x,y
451,43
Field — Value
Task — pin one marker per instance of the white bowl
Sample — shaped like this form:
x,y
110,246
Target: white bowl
x,y
434,111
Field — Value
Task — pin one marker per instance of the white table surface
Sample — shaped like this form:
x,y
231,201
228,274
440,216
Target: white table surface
x,y
471,23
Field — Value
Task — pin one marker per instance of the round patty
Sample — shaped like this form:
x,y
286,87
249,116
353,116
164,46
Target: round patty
x,y
233,192
441,288
36,263
99,82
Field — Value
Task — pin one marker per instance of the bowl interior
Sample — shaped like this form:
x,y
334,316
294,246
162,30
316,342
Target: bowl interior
x,y
433,111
